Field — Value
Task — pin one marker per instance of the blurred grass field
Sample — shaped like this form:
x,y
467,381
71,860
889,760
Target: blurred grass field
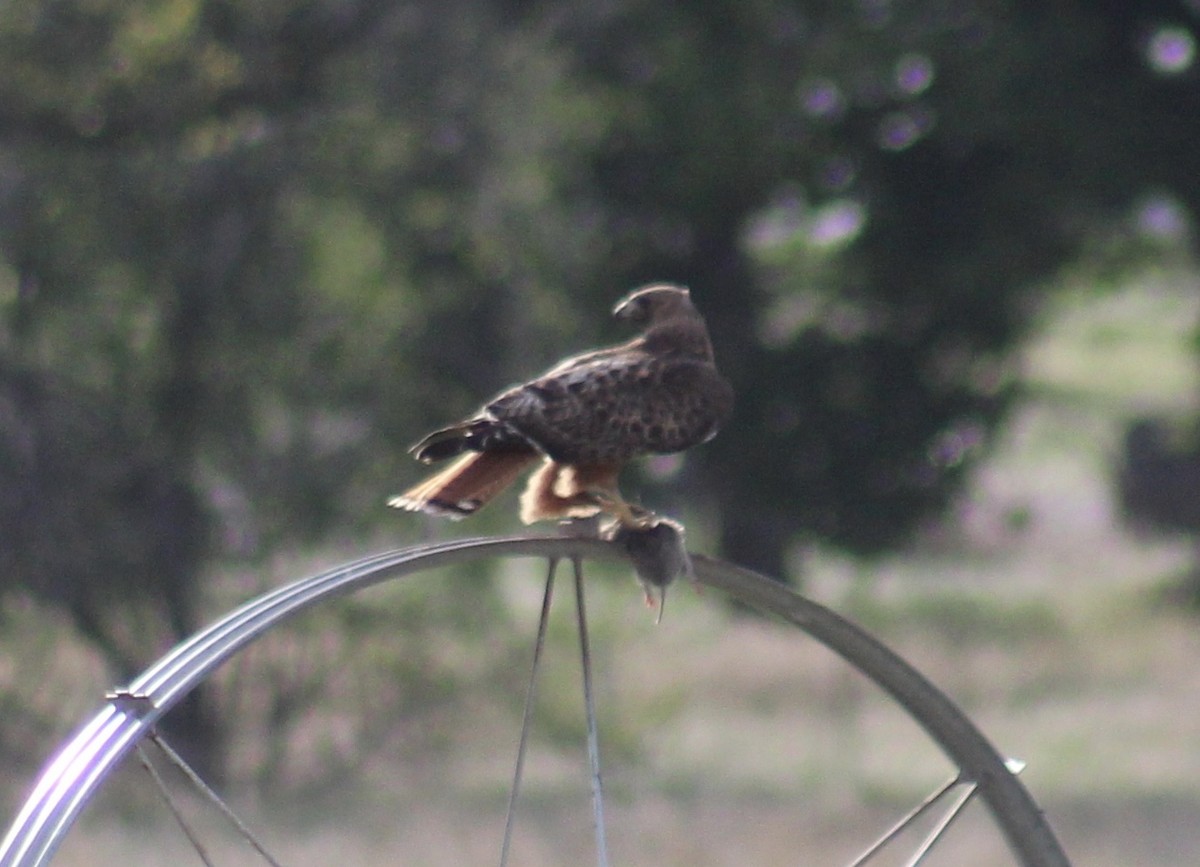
x,y
727,740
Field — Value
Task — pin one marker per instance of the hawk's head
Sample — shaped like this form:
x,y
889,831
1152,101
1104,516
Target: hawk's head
x,y
656,303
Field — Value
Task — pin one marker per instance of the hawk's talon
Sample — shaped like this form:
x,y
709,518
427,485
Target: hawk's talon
x,y
627,514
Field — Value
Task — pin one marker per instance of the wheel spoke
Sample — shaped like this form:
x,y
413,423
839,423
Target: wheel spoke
x,y
176,812
589,702
901,826
527,714
209,794
940,829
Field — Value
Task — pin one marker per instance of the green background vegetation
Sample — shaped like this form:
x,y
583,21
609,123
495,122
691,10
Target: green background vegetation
x,y
250,251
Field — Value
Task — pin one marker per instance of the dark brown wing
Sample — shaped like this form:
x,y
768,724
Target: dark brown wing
x,y
610,407
485,431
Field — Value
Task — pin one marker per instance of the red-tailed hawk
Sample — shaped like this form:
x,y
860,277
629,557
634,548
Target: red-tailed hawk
x,y
584,419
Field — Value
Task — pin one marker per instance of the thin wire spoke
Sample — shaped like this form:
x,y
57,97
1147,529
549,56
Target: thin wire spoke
x,y
912,816
205,789
169,800
593,739
936,834
527,715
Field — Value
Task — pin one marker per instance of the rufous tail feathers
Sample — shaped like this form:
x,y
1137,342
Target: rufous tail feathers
x,y
466,485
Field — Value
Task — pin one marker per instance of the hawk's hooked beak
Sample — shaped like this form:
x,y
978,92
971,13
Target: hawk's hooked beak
x,y
630,310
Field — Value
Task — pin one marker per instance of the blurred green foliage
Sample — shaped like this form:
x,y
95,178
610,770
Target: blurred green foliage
x,y
250,251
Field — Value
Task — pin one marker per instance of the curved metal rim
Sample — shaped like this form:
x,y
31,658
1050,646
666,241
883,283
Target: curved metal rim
x,y
78,770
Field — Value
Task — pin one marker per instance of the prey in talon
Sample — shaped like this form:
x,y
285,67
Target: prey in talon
x,y
657,553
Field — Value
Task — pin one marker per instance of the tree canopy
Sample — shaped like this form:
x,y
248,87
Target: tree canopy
x,y
248,252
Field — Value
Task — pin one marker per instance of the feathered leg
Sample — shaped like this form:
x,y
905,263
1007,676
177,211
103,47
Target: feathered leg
x,y
558,491
547,499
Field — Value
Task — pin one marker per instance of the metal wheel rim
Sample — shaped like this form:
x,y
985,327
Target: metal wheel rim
x,y
81,766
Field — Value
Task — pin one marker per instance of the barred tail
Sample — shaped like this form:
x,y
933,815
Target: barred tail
x,y
466,485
